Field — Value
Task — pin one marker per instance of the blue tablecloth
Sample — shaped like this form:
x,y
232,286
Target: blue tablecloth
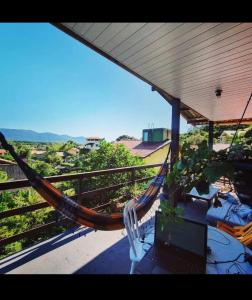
x,y
224,247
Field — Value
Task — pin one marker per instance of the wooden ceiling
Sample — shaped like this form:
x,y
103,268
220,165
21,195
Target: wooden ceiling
x,y
188,61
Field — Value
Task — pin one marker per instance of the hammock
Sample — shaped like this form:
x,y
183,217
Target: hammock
x,y
78,213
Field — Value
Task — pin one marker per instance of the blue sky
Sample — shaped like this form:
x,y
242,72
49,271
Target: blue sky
x,y
52,83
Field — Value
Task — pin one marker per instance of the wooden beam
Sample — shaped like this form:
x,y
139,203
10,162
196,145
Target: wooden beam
x,y
197,122
9,185
175,131
166,96
234,121
220,122
185,108
210,135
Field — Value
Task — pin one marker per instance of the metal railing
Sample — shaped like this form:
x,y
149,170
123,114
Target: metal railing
x,y
80,177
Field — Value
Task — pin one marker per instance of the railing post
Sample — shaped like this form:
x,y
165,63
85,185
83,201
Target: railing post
x,y
175,131
79,189
133,175
210,135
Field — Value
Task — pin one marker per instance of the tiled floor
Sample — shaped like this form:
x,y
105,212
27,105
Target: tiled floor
x,y
83,251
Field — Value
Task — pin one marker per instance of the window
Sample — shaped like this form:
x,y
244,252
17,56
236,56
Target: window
x,y
145,136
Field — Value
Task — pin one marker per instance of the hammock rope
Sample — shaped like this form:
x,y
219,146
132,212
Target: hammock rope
x,y
79,213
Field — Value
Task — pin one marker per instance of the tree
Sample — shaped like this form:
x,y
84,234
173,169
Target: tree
x,y
43,168
110,156
7,156
3,176
68,145
53,158
23,150
126,138
195,136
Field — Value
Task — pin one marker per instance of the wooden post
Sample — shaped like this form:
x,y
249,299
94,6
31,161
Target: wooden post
x,y
210,135
133,178
79,188
175,131
133,175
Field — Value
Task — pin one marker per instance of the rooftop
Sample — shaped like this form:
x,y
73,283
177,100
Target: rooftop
x,y
3,151
142,149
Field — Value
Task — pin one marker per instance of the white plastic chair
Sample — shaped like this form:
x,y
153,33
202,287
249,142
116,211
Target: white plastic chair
x,y
140,241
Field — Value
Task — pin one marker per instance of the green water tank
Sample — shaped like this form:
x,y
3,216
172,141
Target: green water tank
x,y
153,135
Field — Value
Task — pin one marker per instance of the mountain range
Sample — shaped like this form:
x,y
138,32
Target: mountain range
x,y
33,136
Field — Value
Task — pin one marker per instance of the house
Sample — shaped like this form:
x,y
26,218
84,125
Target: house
x,y
92,143
153,147
38,153
62,154
94,139
3,151
73,151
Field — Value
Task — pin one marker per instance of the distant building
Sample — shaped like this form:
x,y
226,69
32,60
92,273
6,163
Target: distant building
x,y
154,145
156,135
62,154
3,151
92,143
38,153
73,151
94,139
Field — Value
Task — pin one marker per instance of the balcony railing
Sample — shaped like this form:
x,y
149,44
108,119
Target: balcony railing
x,y
80,177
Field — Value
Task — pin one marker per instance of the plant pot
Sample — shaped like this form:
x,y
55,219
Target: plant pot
x,y
243,181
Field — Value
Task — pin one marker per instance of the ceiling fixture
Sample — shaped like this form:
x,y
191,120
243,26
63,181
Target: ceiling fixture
x,y
218,92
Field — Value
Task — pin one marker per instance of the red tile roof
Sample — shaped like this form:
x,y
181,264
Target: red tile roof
x,y
2,151
141,149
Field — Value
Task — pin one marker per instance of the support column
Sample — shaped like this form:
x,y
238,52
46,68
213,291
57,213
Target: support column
x,y
210,135
175,131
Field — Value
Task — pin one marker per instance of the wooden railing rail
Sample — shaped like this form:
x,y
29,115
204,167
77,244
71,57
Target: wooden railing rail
x,y
80,176
59,178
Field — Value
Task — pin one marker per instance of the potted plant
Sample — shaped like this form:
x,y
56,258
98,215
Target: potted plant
x,y
170,214
198,167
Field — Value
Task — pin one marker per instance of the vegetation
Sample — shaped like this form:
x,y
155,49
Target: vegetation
x,y
107,156
3,176
197,167
110,156
170,214
126,138
200,133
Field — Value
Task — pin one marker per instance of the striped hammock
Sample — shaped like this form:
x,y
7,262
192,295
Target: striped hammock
x,y
78,213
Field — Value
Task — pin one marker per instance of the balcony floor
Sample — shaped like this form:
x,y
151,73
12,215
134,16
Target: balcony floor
x,y
83,251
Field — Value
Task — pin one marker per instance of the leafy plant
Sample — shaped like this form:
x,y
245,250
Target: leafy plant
x,y
198,167
3,176
170,214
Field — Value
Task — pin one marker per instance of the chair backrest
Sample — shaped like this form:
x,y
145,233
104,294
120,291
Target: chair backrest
x,y
131,223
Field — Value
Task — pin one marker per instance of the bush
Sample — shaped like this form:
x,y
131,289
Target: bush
x,y
110,156
3,176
